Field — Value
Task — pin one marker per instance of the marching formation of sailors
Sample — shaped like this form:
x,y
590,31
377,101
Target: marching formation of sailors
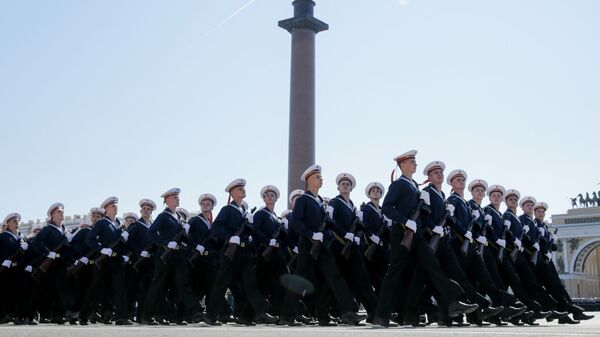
x,y
407,256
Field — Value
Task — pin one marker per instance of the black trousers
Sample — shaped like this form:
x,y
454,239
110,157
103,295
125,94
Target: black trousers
x,y
476,271
377,267
548,277
268,274
356,275
326,265
139,282
175,273
241,269
534,288
111,276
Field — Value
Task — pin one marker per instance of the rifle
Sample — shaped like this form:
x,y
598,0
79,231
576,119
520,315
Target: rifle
x,y
481,245
464,248
347,243
77,267
47,263
408,233
102,259
316,244
138,264
435,239
164,257
370,252
267,252
11,257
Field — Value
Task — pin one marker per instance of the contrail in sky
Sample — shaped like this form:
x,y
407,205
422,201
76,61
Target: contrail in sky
x,y
215,28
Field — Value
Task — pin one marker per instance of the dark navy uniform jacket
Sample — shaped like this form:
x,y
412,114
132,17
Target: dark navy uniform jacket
x,y
480,222
267,223
462,214
374,221
497,224
48,239
308,216
546,242
292,236
139,236
344,215
515,226
532,232
436,208
78,246
200,233
165,228
228,222
104,233
401,200
9,244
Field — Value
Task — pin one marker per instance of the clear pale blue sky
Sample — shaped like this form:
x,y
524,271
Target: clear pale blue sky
x,y
130,98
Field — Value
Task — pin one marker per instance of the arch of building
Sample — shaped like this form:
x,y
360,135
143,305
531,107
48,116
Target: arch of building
x,y
582,254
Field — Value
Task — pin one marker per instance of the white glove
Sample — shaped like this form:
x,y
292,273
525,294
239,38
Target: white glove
x,y
360,215
125,258
507,224
425,197
489,219
518,243
349,236
469,236
357,240
475,213
250,238
273,243
200,248
295,250
536,246
84,260
501,242
439,230
235,239
549,256
542,231
172,245
554,237
125,235
411,225
388,221
526,229
106,251
7,263
329,211
450,208
24,246
481,239
186,226
376,240
317,236
144,253
285,223
52,255
29,269
250,217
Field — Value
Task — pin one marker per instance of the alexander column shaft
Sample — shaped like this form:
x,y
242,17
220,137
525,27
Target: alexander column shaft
x,y
301,149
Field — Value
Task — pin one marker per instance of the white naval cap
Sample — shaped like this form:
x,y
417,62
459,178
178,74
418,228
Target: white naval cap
x,y
285,213
454,174
235,183
345,176
373,185
10,217
130,215
434,165
109,201
312,169
171,192
207,196
147,202
183,212
496,188
97,210
478,183
406,155
294,194
540,204
269,188
54,207
527,199
510,192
